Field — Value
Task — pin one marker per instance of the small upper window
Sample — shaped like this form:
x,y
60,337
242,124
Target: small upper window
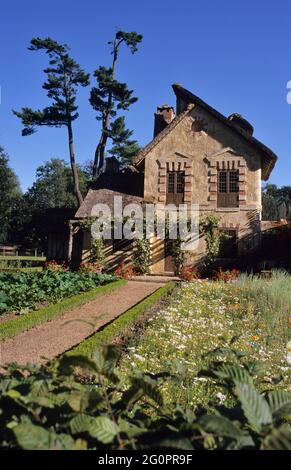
x,y
175,187
228,188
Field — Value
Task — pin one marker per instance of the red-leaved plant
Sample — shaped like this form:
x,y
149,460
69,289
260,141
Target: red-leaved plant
x,y
226,275
60,266
124,272
88,267
189,273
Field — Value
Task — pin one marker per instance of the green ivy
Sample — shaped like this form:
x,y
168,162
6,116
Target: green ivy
x,y
97,251
141,255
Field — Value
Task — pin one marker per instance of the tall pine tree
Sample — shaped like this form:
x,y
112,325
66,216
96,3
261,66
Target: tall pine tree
x,y
64,75
123,147
110,96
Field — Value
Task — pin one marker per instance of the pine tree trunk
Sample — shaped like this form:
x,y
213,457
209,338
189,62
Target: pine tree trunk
x,y
100,149
77,191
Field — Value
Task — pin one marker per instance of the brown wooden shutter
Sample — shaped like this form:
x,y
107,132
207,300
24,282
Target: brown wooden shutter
x,y
228,187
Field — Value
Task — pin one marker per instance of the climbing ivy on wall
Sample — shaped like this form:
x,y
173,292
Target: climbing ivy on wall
x,y
209,228
141,255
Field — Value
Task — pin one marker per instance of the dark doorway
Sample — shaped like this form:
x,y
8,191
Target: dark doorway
x,y
77,249
228,244
169,262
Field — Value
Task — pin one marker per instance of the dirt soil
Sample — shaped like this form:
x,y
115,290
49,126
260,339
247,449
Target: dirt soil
x,y
52,338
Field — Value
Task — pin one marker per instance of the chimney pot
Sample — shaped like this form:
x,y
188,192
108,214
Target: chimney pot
x,y
163,117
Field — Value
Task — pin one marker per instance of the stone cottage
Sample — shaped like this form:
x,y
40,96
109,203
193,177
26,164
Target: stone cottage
x,y
199,156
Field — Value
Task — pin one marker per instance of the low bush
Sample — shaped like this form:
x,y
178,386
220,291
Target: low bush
x,y
189,273
124,271
50,408
88,267
59,266
226,275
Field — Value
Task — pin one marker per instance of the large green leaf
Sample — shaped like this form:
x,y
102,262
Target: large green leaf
x,y
280,402
278,439
233,373
103,429
254,405
80,423
221,426
32,437
67,364
143,385
79,401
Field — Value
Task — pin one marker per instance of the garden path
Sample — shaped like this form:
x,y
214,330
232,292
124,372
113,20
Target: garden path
x,y
52,338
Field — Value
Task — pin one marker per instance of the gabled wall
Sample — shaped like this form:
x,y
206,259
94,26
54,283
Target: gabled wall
x,y
197,145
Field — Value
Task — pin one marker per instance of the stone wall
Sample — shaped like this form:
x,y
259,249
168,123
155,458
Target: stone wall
x,y
200,145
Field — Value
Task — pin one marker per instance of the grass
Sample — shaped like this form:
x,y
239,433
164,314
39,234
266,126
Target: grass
x,y
204,316
271,299
127,319
25,322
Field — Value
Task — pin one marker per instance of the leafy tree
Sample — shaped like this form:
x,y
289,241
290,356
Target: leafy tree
x,y
110,96
123,147
274,199
9,194
64,75
53,188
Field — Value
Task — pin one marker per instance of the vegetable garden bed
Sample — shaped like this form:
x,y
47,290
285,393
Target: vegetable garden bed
x,y
23,292
25,322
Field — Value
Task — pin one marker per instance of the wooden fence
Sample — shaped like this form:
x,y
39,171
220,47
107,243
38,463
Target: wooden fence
x,y
15,251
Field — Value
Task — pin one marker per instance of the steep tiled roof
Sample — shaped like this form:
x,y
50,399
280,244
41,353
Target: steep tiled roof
x,y
268,157
103,196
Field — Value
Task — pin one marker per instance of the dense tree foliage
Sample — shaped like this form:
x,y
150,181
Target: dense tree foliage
x,y
124,148
9,194
53,188
276,202
64,76
109,97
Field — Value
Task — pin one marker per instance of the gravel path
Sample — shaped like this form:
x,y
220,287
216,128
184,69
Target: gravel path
x,y
52,338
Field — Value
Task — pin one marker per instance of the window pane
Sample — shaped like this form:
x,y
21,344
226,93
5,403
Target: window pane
x,y
233,181
171,182
180,182
222,182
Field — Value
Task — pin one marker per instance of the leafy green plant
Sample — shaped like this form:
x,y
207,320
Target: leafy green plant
x,y
26,291
50,407
141,255
97,251
209,228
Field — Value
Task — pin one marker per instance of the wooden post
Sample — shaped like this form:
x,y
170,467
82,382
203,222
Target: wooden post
x,y
70,244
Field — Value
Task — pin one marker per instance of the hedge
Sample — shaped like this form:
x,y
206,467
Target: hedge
x,y
113,329
32,319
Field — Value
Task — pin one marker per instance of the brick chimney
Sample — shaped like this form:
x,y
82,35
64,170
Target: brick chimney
x,y
164,116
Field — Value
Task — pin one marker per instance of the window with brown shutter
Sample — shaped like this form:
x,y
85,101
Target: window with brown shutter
x,y
175,187
228,188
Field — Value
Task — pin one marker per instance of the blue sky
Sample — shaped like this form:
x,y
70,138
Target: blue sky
x,y
236,55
